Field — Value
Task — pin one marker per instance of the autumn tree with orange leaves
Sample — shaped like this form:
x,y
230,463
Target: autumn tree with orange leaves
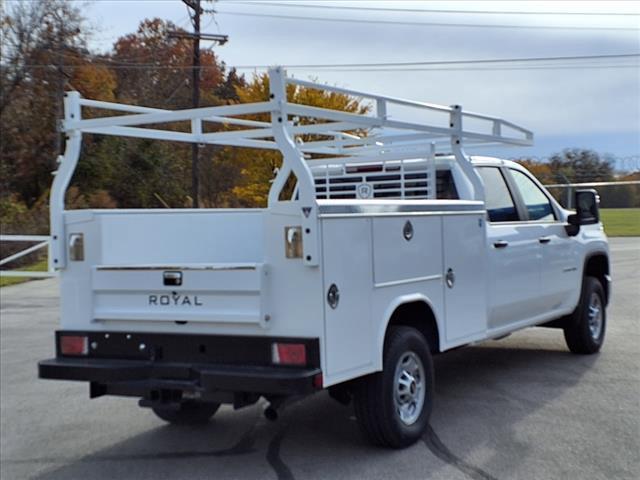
x,y
147,67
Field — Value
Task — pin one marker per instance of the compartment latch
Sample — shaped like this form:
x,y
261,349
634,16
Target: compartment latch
x,y
76,247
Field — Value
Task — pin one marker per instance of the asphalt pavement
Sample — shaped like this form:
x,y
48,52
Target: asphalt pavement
x,y
518,408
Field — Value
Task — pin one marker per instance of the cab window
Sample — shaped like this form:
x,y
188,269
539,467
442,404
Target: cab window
x,y
537,203
498,199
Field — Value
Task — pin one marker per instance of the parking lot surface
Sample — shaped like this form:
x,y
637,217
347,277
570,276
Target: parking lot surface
x,y
518,408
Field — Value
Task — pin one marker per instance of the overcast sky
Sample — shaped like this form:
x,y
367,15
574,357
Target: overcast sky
x,y
565,106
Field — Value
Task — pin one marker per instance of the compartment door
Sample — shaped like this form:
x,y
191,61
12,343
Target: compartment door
x,y
209,293
347,265
465,289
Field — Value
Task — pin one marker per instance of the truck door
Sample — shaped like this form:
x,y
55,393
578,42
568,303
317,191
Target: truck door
x,y
560,275
514,255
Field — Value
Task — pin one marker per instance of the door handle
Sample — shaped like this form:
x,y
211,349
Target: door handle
x,y
450,278
544,239
501,244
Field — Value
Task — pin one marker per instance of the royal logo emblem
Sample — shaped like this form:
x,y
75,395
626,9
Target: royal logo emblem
x,y
175,300
364,190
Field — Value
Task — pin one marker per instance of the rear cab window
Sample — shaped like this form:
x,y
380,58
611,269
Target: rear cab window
x,y
446,186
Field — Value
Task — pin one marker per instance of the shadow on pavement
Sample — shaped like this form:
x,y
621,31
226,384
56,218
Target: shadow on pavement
x,y
482,392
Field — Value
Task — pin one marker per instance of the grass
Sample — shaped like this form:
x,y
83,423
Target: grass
x,y
40,266
621,222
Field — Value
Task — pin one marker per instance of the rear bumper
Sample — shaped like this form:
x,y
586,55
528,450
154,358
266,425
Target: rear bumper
x,y
145,376
143,364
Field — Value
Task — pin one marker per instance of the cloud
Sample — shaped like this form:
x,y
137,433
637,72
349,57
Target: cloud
x,y
573,102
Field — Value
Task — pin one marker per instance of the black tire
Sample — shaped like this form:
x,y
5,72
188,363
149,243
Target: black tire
x,y
375,404
189,412
585,330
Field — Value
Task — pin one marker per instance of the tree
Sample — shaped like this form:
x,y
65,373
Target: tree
x,y
94,81
582,165
228,90
40,40
33,31
542,171
46,41
155,70
258,166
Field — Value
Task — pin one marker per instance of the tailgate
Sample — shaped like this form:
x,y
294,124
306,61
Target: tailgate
x,y
213,293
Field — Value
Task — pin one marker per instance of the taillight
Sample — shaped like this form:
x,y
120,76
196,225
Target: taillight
x,y
77,345
288,354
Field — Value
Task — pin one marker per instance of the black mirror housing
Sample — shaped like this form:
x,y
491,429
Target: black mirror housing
x,y
573,226
587,206
587,211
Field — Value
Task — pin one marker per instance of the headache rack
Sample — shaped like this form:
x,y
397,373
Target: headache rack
x,y
387,152
406,178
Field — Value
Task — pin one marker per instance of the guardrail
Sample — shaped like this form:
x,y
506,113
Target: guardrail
x,y
43,241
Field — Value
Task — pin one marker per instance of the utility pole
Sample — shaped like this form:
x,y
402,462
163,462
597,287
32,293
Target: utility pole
x,y
196,36
195,164
59,98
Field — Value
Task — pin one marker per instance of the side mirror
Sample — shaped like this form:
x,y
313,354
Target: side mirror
x,y
587,203
587,211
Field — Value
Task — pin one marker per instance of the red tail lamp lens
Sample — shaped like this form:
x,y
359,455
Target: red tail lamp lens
x,y
289,354
74,345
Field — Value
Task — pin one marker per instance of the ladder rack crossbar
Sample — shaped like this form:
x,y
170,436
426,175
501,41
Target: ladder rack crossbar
x,y
345,132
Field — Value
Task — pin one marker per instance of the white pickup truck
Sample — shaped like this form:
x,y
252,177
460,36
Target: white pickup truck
x,y
393,246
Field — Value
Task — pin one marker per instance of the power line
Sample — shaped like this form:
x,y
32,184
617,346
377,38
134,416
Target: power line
x,y
346,69
422,24
486,69
424,10
452,62
112,63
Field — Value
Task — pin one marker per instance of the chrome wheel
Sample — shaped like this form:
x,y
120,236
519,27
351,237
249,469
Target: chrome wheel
x,y
409,388
595,316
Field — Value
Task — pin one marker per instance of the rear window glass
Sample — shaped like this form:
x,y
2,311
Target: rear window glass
x,y
445,186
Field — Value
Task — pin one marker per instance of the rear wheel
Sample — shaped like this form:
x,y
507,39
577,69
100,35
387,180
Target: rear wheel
x,y
584,333
393,406
188,412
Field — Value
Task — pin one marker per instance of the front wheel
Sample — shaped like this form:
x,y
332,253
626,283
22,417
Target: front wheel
x,y
585,332
393,406
188,412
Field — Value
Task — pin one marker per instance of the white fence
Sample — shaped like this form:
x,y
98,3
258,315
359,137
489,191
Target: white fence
x,y
41,242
